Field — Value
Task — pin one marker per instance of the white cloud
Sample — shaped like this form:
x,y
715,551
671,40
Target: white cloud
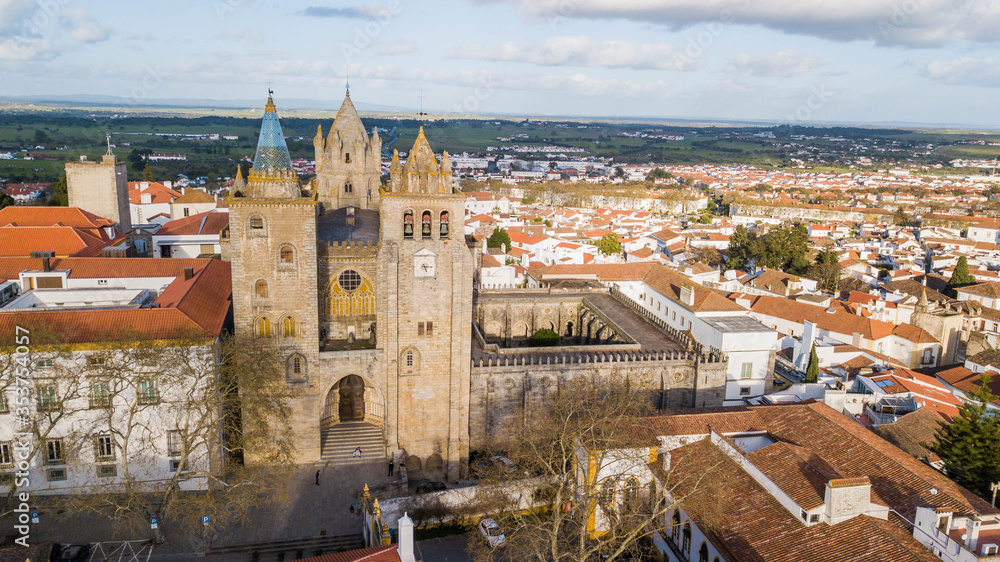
x,y
15,17
401,48
964,71
886,22
20,49
579,50
782,64
84,28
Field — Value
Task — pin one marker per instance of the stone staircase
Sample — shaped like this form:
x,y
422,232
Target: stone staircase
x,y
339,443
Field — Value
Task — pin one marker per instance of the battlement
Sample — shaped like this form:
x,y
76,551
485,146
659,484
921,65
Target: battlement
x,y
578,358
348,249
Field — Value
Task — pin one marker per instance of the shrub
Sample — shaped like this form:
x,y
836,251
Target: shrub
x,y
545,337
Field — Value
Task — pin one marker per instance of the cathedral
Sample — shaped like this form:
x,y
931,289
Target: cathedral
x,y
367,286
367,289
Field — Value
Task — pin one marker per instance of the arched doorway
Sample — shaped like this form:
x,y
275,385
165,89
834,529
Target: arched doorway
x,y
351,390
353,416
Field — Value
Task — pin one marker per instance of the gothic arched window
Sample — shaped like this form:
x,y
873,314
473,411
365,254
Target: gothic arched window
x,y
351,295
631,499
288,327
703,552
262,327
607,493
675,527
686,541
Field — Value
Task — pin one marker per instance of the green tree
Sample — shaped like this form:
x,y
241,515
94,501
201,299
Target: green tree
x,y
41,137
5,200
658,174
608,244
147,173
961,276
498,238
812,371
970,445
739,254
59,193
901,217
827,256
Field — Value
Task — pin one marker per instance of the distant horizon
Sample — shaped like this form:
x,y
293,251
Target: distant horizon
x,y
913,63
107,103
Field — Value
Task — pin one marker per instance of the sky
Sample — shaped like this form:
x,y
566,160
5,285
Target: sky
x,y
781,61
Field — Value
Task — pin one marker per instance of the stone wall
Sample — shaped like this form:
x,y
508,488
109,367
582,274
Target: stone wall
x,y
508,390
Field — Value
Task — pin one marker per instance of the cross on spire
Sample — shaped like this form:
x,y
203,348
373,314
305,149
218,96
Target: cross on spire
x,y
421,114
347,78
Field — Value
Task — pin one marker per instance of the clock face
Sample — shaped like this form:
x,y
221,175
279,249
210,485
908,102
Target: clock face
x,y
424,265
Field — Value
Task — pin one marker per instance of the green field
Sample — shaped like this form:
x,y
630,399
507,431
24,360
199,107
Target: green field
x,y
69,132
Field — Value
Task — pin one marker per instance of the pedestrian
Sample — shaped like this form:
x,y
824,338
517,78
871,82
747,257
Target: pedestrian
x,y
357,452
317,478
391,466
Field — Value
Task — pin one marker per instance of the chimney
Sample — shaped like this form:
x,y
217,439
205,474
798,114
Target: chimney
x,y
188,273
406,539
687,295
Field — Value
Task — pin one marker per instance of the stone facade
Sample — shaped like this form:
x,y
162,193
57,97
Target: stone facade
x,y
100,188
371,298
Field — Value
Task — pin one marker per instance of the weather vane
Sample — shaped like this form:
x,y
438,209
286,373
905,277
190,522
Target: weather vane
x,y
270,92
421,114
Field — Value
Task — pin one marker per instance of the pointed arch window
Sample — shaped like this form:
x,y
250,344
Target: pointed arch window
x,y
607,493
675,527
425,224
260,289
288,327
703,552
407,224
631,499
262,327
348,187
444,224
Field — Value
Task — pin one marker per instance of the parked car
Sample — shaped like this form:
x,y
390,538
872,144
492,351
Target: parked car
x,y
492,533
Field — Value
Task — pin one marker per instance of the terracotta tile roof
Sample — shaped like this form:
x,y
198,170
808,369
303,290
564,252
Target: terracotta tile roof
x,y
65,241
209,222
914,334
669,284
101,268
912,431
51,216
195,308
755,527
195,196
158,193
799,472
604,271
991,289
836,319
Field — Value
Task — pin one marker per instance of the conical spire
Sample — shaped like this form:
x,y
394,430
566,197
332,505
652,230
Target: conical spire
x,y
272,152
238,183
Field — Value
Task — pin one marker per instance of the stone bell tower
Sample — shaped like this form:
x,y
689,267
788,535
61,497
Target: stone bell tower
x,y
426,271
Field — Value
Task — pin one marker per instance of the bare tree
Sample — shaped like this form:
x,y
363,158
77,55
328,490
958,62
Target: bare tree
x,y
585,460
184,428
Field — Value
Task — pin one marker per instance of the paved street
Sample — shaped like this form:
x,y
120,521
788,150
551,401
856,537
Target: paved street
x,y
312,512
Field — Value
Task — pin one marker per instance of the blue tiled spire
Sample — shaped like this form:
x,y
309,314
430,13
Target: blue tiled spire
x,y
272,152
